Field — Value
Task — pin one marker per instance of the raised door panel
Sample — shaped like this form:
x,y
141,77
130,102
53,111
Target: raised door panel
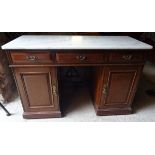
x,y
38,88
119,86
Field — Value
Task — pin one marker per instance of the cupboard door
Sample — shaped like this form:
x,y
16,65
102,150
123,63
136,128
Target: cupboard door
x,y
38,89
119,86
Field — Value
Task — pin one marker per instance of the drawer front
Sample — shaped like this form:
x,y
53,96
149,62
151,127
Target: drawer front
x,y
126,57
31,57
80,58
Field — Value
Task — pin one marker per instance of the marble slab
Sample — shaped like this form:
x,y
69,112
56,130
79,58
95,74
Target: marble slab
x,y
75,42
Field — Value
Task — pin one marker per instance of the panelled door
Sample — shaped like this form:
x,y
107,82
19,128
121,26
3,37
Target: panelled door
x,y
38,88
119,86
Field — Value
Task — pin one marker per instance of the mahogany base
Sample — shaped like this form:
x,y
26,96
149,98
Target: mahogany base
x,y
113,111
40,115
114,76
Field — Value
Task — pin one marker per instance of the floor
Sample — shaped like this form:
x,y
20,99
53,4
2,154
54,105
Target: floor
x,y
81,109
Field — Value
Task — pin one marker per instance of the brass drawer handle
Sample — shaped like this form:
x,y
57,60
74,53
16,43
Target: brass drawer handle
x,y
81,58
54,89
104,90
32,58
127,57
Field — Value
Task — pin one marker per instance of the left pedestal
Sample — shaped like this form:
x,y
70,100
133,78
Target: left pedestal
x,y
38,89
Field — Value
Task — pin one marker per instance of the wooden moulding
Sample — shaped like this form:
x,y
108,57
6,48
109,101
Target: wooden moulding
x,y
40,115
113,111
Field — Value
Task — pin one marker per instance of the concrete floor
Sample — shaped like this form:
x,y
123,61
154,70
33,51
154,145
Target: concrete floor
x,y
80,109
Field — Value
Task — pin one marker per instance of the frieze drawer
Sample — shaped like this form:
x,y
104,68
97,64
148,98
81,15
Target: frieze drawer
x,y
126,57
32,57
80,58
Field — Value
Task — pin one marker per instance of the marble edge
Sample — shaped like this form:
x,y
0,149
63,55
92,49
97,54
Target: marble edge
x,y
3,47
119,48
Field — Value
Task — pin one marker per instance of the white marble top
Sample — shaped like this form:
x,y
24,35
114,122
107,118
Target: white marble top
x,y
75,42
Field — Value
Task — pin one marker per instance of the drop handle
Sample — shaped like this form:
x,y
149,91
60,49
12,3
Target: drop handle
x,y
32,58
104,90
127,57
81,57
